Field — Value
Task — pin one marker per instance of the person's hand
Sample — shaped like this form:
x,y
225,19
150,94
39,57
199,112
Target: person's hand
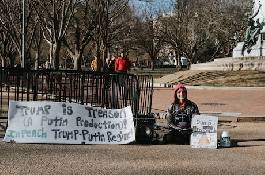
x,y
186,131
177,128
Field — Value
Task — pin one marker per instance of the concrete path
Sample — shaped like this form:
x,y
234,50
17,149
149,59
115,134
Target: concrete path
x,y
247,157
225,102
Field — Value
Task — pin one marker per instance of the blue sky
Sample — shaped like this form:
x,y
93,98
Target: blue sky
x,y
154,4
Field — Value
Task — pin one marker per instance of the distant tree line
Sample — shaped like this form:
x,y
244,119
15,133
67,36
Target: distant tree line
x,y
73,32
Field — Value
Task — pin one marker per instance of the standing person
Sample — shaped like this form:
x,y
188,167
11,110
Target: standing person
x,y
96,67
179,115
96,64
108,68
122,63
188,64
112,62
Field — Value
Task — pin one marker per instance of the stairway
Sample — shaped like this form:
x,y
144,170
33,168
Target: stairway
x,y
232,63
202,78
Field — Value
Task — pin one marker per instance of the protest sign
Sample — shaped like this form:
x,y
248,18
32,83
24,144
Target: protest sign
x,y
68,123
204,131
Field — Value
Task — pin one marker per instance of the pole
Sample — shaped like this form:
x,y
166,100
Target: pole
x,y
23,36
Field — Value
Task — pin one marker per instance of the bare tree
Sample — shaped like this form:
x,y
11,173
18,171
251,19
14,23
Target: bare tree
x,y
148,32
80,31
145,34
119,28
37,45
199,30
113,25
94,22
55,16
7,51
204,28
228,25
11,25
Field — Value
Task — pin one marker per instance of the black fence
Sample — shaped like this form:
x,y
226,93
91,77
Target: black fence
x,y
99,89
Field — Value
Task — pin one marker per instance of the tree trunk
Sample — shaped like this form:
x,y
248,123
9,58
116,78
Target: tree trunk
x,y
3,62
36,61
56,53
179,61
152,64
77,61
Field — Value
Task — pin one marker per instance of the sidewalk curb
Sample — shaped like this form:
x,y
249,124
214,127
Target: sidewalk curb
x,y
161,85
224,118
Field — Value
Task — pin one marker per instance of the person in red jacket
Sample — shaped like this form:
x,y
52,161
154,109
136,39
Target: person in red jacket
x,y
122,63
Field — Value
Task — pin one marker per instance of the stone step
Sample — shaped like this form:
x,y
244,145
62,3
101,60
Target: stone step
x,y
231,63
233,59
200,77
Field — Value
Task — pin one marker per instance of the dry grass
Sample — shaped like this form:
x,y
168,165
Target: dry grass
x,y
249,78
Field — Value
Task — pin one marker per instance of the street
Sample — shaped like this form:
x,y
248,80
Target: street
x,y
246,156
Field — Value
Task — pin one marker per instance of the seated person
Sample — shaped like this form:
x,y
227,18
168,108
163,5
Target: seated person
x,y
179,117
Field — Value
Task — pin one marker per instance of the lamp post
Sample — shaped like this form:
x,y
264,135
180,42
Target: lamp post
x,y
23,35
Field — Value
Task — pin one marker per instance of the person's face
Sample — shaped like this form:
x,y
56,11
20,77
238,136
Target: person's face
x,y
123,54
108,61
181,94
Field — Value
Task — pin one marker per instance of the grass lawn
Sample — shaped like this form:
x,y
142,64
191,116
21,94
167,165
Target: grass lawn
x,y
157,72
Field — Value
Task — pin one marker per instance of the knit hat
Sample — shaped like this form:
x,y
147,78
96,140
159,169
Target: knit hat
x,y
178,87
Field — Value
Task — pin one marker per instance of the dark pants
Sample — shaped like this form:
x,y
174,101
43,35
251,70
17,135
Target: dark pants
x,y
177,137
122,83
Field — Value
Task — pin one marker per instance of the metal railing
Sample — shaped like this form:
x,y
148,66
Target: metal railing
x,y
111,91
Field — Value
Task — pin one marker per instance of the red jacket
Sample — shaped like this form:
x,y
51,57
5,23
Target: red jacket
x,y
122,64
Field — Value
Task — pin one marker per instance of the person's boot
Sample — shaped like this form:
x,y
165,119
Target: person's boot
x,y
167,138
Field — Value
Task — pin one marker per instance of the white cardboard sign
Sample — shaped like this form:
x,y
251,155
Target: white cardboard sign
x,y
68,123
204,131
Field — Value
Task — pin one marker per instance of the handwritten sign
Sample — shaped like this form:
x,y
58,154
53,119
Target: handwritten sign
x,y
204,131
68,123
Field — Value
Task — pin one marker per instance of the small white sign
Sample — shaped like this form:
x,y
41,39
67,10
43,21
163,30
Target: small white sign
x,y
204,131
68,123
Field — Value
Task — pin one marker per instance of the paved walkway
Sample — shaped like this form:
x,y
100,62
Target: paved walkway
x,y
238,102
